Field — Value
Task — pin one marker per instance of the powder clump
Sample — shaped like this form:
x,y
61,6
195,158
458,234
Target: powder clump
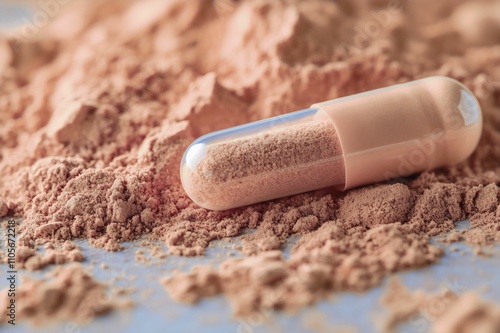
x,y
447,311
4,209
377,205
69,294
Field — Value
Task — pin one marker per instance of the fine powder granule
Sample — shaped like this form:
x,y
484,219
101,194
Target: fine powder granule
x,y
267,165
99,106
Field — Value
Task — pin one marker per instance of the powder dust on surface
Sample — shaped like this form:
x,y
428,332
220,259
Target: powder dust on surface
x,y
98,107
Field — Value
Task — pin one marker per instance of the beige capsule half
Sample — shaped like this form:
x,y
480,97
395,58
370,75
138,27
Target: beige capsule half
x,y
347,142
405,129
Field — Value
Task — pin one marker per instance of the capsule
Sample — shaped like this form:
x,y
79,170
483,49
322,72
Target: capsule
x,y
347,142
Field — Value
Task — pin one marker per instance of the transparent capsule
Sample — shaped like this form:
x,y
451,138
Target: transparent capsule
x,y
347,142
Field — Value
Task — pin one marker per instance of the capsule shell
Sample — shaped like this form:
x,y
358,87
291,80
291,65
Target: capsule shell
x,y
405,129
347,142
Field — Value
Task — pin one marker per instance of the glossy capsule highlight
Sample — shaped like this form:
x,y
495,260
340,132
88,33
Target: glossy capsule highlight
x,y
346,142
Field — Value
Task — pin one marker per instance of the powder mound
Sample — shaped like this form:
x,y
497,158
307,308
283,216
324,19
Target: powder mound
x,y
38,186
208,106
275,222
71,122
482,199
316,30
100,204
375,205
448,311
439,203
69,294
483,203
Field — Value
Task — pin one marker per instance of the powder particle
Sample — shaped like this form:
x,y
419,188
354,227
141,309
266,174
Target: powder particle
x,y
99,106
141,257
202,282
486,199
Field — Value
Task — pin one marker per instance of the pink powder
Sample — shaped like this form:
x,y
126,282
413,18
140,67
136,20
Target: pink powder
x,y
99,107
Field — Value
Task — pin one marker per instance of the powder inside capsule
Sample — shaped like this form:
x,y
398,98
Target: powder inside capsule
x,y
276,163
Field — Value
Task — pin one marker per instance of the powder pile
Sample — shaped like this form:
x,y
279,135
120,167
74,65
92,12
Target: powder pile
x,y
69,294
264,166
99,106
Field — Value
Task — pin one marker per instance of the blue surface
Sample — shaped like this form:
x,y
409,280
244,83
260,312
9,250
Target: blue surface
x,y
343,312
13,15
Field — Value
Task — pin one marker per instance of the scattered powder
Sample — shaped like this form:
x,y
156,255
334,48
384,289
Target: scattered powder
x,y
157,252
344,253
444,312
29,259
70,293
317,322
95,119
453,237
141,257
